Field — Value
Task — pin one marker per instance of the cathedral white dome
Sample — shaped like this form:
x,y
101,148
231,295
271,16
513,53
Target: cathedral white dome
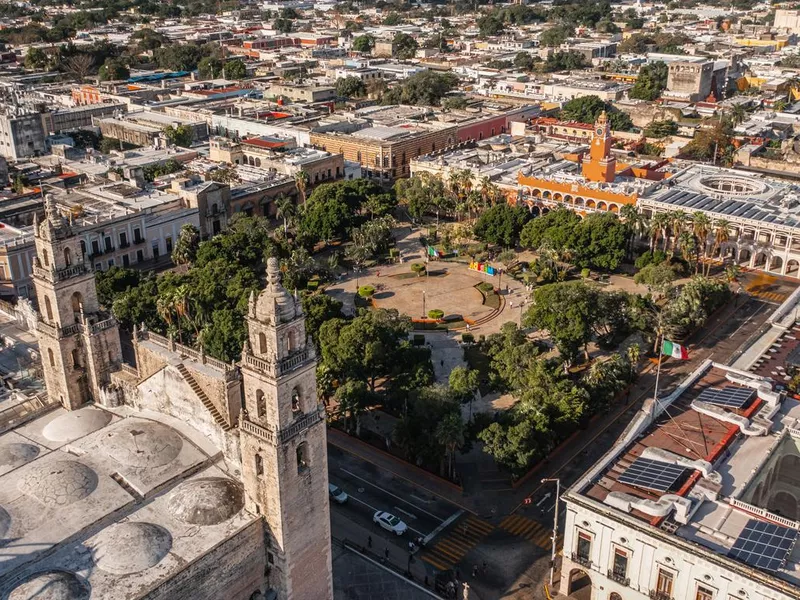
x,y
76,424
125,548
17,454
54,585
206,501
59,483
138,443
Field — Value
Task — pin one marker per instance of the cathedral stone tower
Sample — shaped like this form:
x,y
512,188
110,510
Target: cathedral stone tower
x,y
78,344
283,444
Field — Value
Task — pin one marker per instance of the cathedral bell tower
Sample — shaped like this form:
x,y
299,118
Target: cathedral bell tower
x,y
602,166
79,345
283,444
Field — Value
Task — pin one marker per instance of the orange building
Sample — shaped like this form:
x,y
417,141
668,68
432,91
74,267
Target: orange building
x,y
602,185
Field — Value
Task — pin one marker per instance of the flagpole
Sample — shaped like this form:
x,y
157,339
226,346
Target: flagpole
x,y
658,373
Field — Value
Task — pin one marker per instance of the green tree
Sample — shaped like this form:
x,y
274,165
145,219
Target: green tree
x,y
564,61
115,281
425,88
599,241
651,81
657,277
180,135
489,25
113,70
405,46
282,25
524,61
450,434
364,43
235,69
319,308
661,129
463,383
502,224
351,87
185,250
224,336
209,67
555,36
36,59
586,109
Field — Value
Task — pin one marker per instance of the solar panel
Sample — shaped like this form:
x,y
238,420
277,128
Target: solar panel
x,y
652,475
764,545
730,396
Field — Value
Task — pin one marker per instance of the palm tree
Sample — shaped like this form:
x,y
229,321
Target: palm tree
x,y
164,309
286,209
659,225
450,433
688,247
721,236
631,216
485,189
701,225
677,223
732,272
738,114
301,181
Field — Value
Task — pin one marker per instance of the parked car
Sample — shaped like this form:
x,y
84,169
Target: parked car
x,y
337,494
389,522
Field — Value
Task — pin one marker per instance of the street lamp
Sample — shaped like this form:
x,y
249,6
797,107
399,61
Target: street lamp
x,y
555,528
423,304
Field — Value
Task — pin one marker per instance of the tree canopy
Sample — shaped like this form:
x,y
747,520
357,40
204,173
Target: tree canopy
x,y
651,81
425,88
586,109
502,224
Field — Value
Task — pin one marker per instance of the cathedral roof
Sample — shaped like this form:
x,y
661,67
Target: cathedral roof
x,y
274,303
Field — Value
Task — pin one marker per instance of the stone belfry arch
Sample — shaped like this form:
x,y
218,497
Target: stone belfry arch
x,y
283,444
78,343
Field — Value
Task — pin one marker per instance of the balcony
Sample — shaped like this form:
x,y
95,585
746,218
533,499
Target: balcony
x,y
123,245
300,425
618,577
137,241
582,560
657,595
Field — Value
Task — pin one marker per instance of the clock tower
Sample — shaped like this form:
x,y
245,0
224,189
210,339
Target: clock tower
x,y
601,165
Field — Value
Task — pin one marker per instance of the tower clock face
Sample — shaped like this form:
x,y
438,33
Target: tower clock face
x,y
600,131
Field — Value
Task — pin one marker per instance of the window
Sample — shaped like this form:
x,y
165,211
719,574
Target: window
x,y
139,256
48,309
51,357
108,244
137,235
46,258
95,247
261,404
126,261
584,549
123,239
620,565
68,256
259,465
664,582
302,457
76,358
156,250
169,244
262,343
703,593
83,247
295,401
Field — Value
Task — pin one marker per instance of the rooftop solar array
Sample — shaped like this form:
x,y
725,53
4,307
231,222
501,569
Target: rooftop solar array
x,y
730,396
745,208
652,475
764,545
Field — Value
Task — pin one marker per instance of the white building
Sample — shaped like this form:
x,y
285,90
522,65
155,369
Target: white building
x,y
700,497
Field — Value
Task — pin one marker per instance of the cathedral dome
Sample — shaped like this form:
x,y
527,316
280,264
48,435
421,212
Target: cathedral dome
x,y
139,443
76,424
125,548
274,303
17,454
59,483
206,501
54,585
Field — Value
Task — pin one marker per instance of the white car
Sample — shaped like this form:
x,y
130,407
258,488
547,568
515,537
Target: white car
x,y
337,494
389,522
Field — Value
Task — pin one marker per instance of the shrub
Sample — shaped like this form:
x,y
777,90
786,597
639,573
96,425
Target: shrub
x,y
486,287
435,313
365,291
418,268
467,338
313,285
585,273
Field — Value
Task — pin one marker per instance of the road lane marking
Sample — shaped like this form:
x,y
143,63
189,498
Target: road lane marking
x,y
419,508
444,524
379,510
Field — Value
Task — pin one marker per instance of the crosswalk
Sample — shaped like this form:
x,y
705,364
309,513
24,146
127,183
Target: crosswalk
x,y
531,530
462,537
769,296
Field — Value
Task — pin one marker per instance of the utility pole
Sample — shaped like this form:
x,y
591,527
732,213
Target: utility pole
x,y
555,528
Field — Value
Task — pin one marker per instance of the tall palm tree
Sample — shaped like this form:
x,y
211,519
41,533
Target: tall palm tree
x,y
738,114
688,247
286,209
677,223
301,181
701,225
721,236
485,189
659,225
450,433
634,219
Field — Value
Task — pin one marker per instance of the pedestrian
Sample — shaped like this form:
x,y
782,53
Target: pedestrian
x,y
369,542
484,566
441,362
386,552
511,303
474,571
379,273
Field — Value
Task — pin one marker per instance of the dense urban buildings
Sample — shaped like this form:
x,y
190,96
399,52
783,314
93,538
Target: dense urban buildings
x,y
304,301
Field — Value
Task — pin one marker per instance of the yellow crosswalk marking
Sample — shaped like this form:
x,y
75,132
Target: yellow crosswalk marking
x,y
462,537
528,529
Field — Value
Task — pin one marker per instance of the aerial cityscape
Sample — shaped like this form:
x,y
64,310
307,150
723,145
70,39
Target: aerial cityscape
x,y
369,300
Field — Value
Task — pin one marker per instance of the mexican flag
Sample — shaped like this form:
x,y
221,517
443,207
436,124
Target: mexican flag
x,y
674,350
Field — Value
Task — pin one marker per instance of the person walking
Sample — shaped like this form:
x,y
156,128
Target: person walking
x,y
369,542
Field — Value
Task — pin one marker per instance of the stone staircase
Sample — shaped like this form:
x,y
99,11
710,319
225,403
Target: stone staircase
x,y
218,418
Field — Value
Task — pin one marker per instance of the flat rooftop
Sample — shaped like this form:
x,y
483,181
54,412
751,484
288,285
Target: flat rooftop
x,y
695,465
